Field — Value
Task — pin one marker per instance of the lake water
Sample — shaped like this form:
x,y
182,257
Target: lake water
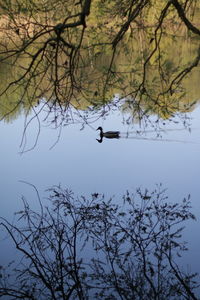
x,y
80,163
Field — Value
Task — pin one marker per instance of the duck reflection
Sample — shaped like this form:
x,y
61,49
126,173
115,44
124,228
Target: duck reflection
x,y
137,135
107,134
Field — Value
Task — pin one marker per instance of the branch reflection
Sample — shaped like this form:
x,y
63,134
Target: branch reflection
x,y
93,248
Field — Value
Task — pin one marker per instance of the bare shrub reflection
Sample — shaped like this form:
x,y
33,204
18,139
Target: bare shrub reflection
x,y
92,248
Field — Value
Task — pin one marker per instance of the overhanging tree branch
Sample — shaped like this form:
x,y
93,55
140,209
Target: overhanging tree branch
x,y
183,17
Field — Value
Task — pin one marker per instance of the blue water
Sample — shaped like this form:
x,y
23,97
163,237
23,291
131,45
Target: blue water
x,y
80,163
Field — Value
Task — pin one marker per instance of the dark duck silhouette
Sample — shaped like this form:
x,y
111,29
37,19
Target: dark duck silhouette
x,y
107,134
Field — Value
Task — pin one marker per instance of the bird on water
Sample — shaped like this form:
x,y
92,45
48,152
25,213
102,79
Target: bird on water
x,y
107,134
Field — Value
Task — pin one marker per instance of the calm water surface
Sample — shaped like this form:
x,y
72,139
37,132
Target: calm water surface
x,y
80,163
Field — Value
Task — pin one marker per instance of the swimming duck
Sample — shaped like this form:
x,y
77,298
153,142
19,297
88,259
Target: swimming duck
x,y
108,134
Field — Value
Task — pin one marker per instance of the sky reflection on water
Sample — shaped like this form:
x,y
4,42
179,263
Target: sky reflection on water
x,y
80,163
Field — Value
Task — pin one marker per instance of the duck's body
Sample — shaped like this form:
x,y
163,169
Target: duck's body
x,y
108,134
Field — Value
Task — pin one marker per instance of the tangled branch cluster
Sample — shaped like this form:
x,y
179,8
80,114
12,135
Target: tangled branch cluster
x,y
86,248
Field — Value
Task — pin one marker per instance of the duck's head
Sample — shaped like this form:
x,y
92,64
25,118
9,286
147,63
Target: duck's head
x,y
101,132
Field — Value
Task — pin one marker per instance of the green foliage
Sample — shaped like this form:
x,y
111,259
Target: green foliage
x,y
139,52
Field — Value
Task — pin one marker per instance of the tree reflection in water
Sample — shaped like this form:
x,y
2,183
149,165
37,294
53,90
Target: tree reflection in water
x,y
76,62
79,61
91,248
